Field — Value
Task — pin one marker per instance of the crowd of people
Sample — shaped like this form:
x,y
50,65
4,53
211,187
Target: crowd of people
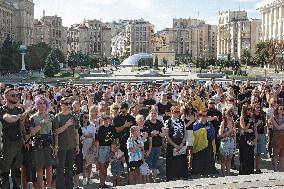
x,y
60,136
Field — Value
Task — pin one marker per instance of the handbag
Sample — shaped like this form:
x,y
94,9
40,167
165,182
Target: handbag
x,y
90,156
144,169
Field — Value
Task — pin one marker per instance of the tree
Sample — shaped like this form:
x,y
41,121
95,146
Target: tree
x,y
73,61
156,63
37,55
51,66
261,54
60,56
10,59
245,57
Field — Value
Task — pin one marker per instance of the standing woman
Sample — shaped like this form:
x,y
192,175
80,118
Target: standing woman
x,y
94,115
227,134
104,138
260,124
88,138
248,140
44,151
176,160
157,135
204,147
189,118
278,138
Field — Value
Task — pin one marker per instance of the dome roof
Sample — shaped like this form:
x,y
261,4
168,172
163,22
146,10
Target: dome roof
x,y
134,59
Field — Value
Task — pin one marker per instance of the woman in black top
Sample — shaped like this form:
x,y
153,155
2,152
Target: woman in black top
x,y
176,160
189,117
260,124
104,138
248,141
157,133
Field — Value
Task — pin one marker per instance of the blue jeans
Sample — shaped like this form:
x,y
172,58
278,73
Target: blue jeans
x,y
153,158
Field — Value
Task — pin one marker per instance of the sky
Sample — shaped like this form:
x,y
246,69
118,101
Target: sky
x,y
158,12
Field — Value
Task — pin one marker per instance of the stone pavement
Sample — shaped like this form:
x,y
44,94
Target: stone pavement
x,y
267,179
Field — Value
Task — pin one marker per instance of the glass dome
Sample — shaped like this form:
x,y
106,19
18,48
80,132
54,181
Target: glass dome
x,y
134,59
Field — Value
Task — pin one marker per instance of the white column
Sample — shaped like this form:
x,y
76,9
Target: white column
x,y
265,32
263,26
280,23
275,22
270,25
23,62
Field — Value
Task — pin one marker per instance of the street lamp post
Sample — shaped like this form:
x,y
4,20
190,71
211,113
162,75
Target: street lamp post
x,y
23,52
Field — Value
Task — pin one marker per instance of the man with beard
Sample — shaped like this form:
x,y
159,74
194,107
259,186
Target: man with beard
x,y
215,118
10,115
122,124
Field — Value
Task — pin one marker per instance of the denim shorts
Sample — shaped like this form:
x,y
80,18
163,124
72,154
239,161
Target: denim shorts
x,y
260,147
104,152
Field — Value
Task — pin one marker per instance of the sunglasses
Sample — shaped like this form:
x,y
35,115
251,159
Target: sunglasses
x,y
15,95
41,103
115,108
202,115
105,118
280,108
176,112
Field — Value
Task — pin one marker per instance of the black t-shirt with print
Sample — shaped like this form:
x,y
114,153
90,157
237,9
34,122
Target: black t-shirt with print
x,y
105,135
156,140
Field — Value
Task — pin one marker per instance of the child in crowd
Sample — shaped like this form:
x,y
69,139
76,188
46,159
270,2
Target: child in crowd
x,y
135,146
116,159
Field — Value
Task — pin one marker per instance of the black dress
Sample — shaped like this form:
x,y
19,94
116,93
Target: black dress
x,y
247,150
176,166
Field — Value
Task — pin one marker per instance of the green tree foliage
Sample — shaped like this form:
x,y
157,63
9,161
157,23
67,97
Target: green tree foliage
x,y
10,58
51,66
245,57
261,54
36,55
60,56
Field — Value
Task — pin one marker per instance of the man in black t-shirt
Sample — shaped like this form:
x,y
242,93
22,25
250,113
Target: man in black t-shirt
x,y
215,118
122,124
10,117
163,105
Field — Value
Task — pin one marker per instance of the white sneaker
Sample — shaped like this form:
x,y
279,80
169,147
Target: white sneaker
x,y
85,181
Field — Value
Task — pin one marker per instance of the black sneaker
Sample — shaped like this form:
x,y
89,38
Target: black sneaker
x,y
258,171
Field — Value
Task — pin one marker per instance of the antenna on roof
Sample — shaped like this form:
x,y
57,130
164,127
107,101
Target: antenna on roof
x,y
198,14
239,7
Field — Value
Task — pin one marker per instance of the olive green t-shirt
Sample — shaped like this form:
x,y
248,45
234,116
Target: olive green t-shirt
x,y
66,139
47,127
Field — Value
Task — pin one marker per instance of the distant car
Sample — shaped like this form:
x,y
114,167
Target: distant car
x,y
145,83
24,85
202,82
104,82
158,83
